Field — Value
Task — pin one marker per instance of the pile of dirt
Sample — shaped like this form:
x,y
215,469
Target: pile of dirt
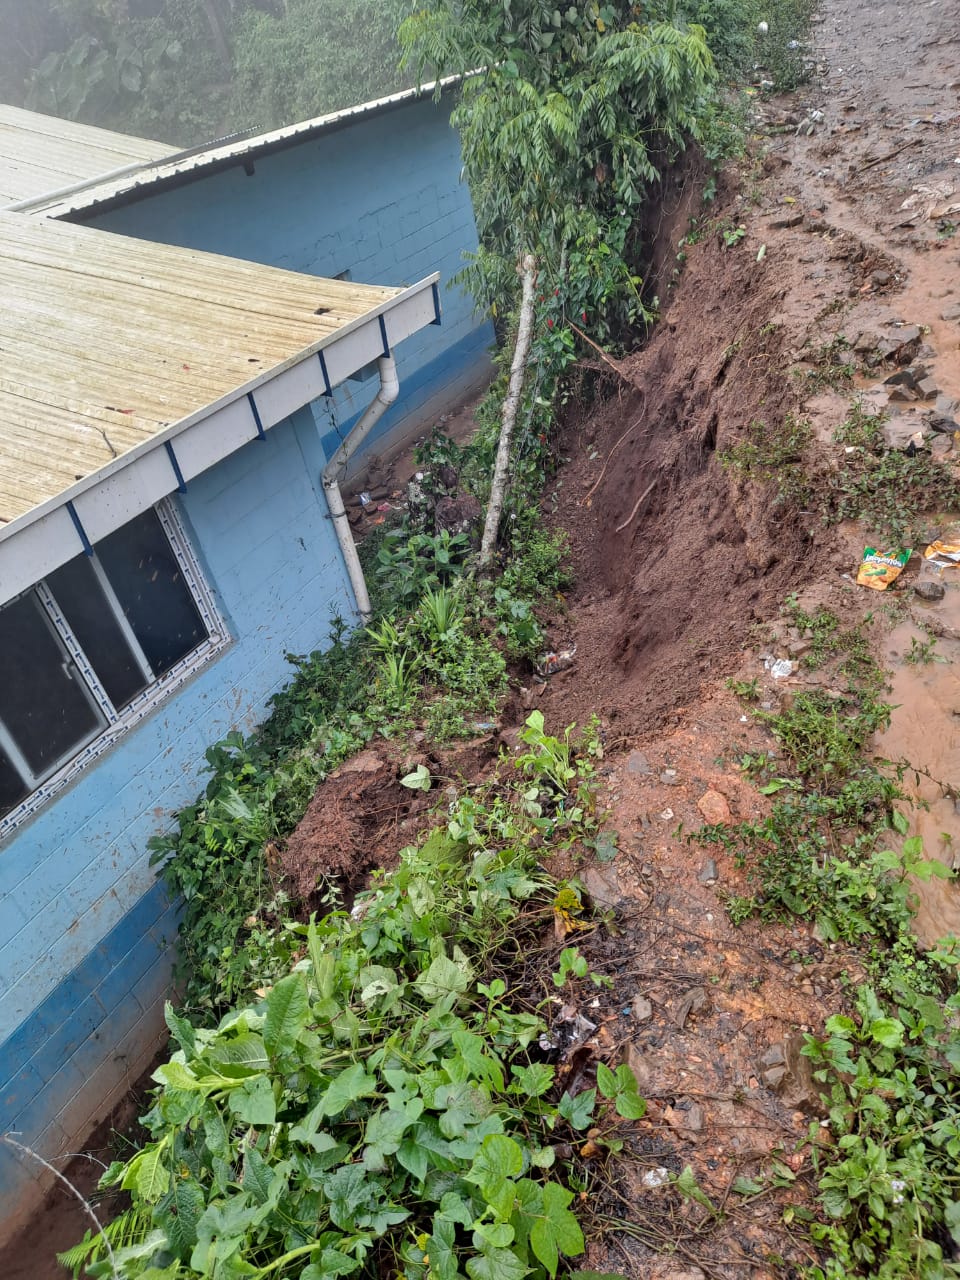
x,y
350,826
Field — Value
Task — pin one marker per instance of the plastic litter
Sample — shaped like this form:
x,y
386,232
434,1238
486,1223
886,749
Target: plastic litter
x,y
943,555
365,499
551,663
779,668
879,568
654,1178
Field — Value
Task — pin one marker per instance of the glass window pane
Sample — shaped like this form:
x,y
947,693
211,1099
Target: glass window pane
x,y
43,702
91,619
149,583
12,787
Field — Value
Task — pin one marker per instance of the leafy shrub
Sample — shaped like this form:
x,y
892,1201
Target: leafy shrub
x,y
383,1106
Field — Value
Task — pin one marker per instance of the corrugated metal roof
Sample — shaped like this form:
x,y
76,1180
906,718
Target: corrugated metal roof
x,y
106,341
41,154
185,166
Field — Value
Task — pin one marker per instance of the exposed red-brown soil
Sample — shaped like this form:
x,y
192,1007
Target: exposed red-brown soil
x,y
680,567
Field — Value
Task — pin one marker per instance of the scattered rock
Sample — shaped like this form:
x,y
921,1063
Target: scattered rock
x,y
637,762
928,389
714,808
902,395
787,220
692,1002
880,279
690,1273
773,1077
603,885
675,1118
797,1088
641,1008
775,1056
669,778
951,313
940,446
940,422
929,589
695,1117
708,872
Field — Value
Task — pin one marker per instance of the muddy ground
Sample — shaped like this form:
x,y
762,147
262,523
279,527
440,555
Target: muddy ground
x,y
845,200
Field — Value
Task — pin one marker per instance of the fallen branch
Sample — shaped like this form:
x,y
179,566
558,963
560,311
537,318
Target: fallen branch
x,y
890,154
518,368
636,506
593,488
608,360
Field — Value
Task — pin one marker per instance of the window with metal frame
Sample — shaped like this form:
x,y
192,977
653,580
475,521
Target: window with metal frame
x,y
92,648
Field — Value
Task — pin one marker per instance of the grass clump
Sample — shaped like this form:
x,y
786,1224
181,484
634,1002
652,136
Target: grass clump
x,y
890,490
775,454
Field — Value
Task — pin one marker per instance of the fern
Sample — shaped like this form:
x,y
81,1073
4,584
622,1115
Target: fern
x,y
129,1228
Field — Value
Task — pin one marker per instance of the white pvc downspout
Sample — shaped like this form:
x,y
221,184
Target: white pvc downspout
x,y
336,468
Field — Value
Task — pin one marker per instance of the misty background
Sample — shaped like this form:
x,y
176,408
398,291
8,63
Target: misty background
x,y
188,71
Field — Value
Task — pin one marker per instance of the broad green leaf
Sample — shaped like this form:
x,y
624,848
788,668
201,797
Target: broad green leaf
x,y
181,1030
257,1175
440,1249
349,1086
951,1217
254,1102
188,1205
746,1186
413,1157
606,1081
887,1031
533,1081
578,1111
499,1157
375,980
246,1050
493,1235
442,978
840,1025
147,1174
686,1183
287,1011
498,1264
630,1105
900,822
177,1076
331,1263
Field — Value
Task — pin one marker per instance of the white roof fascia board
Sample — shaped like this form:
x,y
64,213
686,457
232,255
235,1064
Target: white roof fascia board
x,y
47,536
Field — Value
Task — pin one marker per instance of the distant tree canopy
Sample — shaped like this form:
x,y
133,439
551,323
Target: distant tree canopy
x,y
186,71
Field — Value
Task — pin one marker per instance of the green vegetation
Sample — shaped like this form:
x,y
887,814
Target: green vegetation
x,y
777,455
565,130
887,1184
890,1190
385,1106
186,71
890,490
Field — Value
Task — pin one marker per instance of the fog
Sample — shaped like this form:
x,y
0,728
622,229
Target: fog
x,y
189,71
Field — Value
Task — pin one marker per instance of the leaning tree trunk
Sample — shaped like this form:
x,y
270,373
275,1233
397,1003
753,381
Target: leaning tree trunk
x,y
511,404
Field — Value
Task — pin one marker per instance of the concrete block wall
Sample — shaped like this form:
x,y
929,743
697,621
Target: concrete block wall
x,y
86,928
381,200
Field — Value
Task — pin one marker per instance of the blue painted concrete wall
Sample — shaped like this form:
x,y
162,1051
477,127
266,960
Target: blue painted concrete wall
x,y
86,927
381,199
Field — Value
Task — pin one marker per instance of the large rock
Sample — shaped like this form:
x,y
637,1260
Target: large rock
x,y
714,808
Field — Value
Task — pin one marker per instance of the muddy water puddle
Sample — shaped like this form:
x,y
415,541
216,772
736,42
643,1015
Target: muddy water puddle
x,y
925,730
